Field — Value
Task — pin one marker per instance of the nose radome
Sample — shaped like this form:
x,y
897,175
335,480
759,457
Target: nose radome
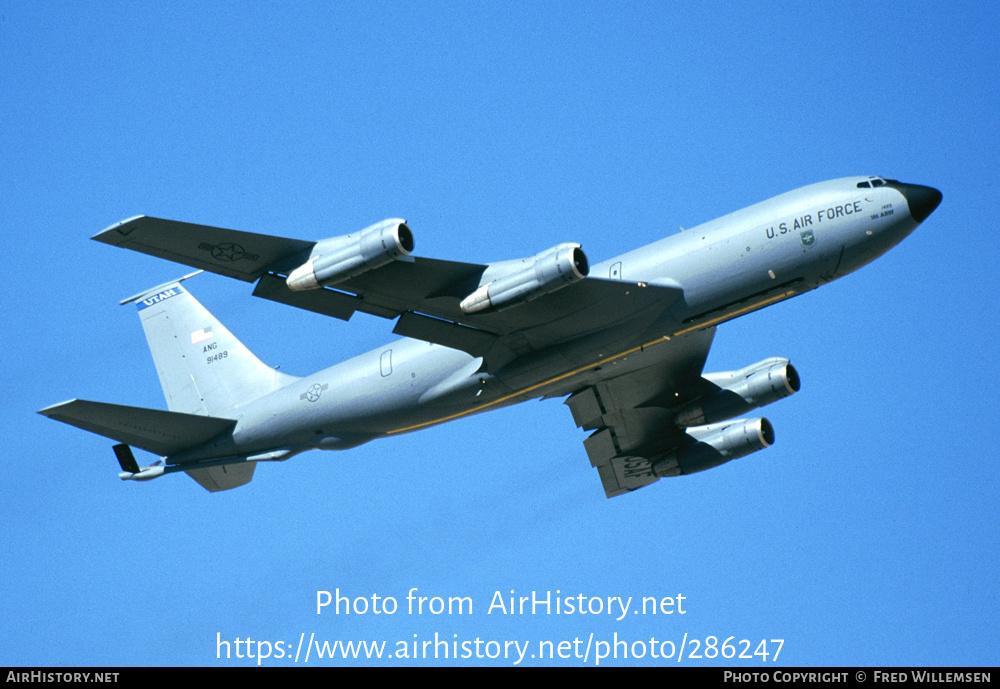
x,y
921,200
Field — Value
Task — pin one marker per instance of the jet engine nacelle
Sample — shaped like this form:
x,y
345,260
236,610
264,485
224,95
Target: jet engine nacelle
x,y
339,258
756,385
549,271
717,444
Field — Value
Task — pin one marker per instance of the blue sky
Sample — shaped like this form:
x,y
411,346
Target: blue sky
x,y
865,536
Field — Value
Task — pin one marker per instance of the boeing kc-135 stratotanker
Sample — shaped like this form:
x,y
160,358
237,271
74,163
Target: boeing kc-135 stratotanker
x,y
624,340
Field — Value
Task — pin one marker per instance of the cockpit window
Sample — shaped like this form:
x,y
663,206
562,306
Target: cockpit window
x,y
874,182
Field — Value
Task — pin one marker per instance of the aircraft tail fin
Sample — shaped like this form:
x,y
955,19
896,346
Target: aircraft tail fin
x,y
203,368
126,459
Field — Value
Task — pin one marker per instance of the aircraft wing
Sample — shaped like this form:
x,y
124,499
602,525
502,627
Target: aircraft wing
x,y
632,416
241,255
424,294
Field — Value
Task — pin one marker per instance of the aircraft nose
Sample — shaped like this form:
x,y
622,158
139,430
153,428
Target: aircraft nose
x,y
921,200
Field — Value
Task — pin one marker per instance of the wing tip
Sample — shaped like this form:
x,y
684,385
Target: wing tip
x,y
115,234
54,409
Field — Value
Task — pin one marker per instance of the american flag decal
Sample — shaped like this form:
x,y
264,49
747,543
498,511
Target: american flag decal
x,y
201,335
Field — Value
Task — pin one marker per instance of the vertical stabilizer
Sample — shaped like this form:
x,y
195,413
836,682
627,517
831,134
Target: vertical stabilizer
x,y
203,368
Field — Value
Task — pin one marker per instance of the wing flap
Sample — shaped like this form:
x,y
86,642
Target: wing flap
x,y
326,302
445,333
161,432
586,409
624,474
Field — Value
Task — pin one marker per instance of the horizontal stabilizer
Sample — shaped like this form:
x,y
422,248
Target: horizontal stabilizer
x,y
161,432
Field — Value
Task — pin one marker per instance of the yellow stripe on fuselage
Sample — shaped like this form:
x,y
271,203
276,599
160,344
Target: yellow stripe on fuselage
x,y
747,309
563,376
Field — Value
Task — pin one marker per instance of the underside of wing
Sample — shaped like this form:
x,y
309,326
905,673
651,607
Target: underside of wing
x,y
668,419
233,253
437,288
632,416
388,291
425,294
497,311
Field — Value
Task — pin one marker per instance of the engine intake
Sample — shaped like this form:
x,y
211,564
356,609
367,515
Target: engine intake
x,y
339,258
741,391
717,444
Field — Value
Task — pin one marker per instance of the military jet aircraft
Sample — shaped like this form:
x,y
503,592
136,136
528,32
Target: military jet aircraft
x,y
624,340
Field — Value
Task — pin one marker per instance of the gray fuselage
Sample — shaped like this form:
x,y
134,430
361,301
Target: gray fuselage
x,y
724,268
